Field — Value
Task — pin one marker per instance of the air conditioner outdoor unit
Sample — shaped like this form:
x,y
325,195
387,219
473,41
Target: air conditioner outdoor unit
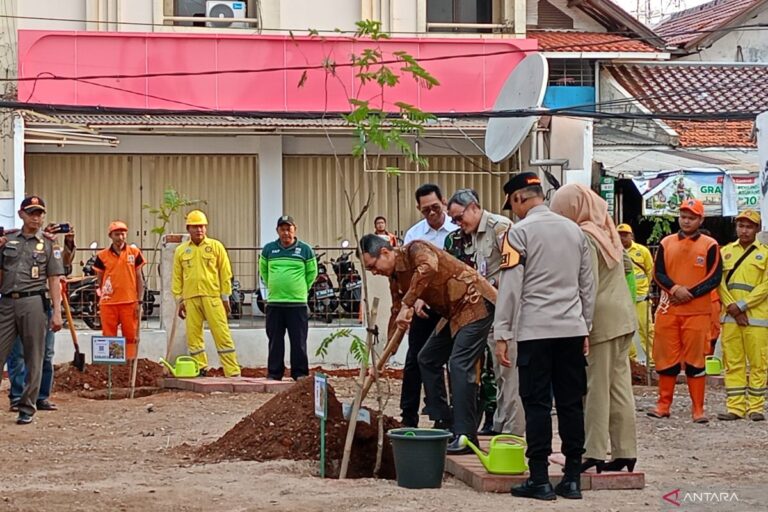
x,y
227,11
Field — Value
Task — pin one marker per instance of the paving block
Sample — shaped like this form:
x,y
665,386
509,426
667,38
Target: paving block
x,y
276,386
715,381
213,385
174,383
471,471
243,386
617,480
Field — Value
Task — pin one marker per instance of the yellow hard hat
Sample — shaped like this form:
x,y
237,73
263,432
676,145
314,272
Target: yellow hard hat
x,y
196,218
750,215
624,228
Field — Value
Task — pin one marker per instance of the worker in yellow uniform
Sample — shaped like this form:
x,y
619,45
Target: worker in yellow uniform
x,y
743,292
642,263
202,284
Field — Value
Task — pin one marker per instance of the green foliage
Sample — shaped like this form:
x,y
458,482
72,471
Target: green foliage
x,y
357,346
662,226
170,206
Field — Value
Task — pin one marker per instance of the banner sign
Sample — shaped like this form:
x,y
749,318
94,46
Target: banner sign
x,y
721,193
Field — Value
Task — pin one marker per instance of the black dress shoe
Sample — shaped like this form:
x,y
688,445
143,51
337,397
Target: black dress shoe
x,y
488,432
456,448
24,419
46,405
14,406
442,424
536,491
569,489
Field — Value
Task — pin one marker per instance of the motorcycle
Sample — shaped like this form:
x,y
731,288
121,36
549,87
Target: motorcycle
x,y
236,300
322,299
81,292
350,282
148,303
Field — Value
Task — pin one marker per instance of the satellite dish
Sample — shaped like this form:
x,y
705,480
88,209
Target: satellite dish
x,y
523,90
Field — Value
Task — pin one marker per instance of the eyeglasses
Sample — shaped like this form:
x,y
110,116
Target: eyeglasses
x,y
434,208
372,266
457,219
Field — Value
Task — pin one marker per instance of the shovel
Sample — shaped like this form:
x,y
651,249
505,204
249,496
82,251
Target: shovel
x,y
135,366
79,360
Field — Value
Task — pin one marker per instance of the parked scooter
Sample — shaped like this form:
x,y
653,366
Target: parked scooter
x,y
322,299
350,282
81,291
236,300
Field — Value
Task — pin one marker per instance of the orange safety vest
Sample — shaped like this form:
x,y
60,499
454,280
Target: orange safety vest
x,y
685,262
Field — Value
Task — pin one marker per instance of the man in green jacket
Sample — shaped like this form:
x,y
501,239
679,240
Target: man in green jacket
x,y
288,267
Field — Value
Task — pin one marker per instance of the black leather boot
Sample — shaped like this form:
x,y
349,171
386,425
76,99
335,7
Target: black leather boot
x,y
570,486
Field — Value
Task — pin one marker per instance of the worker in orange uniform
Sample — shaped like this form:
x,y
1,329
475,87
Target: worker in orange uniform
x,y
202,284
642,265
744,290
121,286
687,268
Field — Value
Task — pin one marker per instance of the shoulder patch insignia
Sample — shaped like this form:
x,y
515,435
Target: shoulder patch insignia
x,y
510,257
728,256
759,257
57,254
208,248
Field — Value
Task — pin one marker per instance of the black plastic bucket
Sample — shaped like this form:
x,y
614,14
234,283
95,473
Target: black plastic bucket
x,y
419,456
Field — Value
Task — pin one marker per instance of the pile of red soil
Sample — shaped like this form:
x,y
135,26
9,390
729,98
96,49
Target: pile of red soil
x,y
389,373
286,428
639,373
68,378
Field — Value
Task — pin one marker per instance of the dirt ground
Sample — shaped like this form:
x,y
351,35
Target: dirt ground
x,y
94,455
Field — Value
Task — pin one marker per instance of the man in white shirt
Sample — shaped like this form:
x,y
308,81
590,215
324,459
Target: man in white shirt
x,y
433,228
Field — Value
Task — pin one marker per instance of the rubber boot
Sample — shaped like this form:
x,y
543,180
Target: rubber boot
x,y
696,387
666,392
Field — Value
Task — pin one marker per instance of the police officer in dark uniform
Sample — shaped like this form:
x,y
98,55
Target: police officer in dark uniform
x,y
30,265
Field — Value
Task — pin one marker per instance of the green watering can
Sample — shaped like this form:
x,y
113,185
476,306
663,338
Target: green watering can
x,y
713,365
502,458
185,367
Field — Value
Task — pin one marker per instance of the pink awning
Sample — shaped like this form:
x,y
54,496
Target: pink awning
x,y
468,83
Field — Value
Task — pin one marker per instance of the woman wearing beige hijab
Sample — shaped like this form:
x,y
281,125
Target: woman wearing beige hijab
x,y
609,409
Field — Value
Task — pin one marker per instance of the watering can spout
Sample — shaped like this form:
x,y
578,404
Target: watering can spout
x,y
168,365
464,441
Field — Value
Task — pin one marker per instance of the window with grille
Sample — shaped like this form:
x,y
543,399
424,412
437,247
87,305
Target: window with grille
x,y
571,72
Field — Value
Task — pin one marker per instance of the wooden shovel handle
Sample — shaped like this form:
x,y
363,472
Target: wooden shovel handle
x,y
392,345
70,323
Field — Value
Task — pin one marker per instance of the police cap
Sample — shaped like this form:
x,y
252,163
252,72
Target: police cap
x,y
518,182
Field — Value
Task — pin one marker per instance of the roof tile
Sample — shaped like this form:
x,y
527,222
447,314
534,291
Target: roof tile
x,y
568,41
699,88
681,28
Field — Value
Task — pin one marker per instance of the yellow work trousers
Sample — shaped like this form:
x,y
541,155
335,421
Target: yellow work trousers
x,y
742,345
210,309
644,330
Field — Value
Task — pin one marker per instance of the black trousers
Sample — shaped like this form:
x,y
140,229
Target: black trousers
x,y
295,319
461,352
410,395
548,367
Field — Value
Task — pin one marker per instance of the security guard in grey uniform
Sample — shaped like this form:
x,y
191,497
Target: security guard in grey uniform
x,y
487,231
30,264
545,305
